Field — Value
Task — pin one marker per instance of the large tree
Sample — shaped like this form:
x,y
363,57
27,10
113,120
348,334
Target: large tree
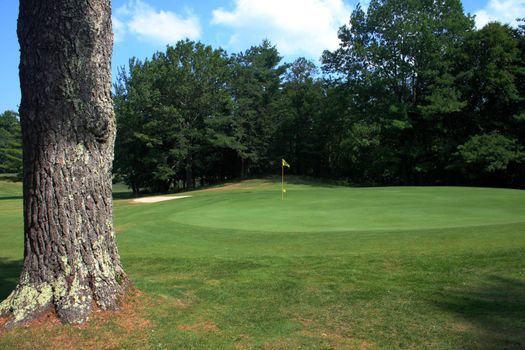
x,y
173,117
491,79
299,138
256,87
396,61
70,257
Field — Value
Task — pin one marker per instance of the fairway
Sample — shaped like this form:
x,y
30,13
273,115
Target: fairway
x,y
330,267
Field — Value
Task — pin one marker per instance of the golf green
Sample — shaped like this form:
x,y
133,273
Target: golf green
x,y
324,209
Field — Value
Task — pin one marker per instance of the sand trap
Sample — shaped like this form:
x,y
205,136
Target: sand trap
x,y
155,199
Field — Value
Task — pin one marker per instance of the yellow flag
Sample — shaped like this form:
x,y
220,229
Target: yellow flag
x,y
285,163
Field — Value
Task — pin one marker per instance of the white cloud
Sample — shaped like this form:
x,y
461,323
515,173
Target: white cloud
x,y
297,27
119,29
505,11
161,27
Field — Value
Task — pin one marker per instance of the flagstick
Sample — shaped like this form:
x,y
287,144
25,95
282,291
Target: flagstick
x,y
282,181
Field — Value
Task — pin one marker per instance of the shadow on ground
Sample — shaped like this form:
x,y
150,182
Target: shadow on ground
x,y
9,273
307,181
11,177
7,198
123,195
494,311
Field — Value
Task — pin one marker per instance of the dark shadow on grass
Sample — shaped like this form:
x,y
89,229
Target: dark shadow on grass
x,y
123,195
9,274
7,198
11,177
496,310
307,181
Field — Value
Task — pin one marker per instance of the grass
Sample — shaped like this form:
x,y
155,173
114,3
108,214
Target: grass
x,y
328,268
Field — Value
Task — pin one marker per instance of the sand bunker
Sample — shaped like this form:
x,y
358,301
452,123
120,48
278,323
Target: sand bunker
x,y
155,199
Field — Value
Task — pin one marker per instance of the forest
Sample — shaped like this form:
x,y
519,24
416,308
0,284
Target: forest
x,y
414,95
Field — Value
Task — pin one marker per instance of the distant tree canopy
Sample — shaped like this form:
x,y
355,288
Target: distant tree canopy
x,y
10,143
413,95
174,114
194,113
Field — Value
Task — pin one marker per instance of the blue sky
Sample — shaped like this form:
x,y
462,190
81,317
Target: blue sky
x,y
297,27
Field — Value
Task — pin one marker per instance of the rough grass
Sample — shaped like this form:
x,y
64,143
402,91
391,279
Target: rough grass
x,y
236,268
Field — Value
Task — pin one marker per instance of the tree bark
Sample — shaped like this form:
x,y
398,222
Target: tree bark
x,y
71,262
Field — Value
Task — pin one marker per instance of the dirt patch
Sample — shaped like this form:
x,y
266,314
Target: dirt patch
x,y
334,340
338,337
47,320
212,282
156,199
282,344
125,328
182,303
3,321
122,228
206,326
129,317
304,321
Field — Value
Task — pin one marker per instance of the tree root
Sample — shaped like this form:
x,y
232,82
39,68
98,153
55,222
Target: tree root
x,y
72,304
26,303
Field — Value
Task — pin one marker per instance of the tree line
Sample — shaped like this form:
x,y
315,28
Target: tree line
x,y
10,144
414,95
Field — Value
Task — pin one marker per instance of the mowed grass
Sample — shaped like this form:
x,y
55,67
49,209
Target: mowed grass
x,y
330,267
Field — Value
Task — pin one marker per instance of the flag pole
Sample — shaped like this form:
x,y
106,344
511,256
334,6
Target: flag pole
x,y
282,181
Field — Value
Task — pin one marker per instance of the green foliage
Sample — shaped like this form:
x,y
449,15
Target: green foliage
x,y
420,76
490,80
491,152
396,62
170,112
10,143
299,110
402,101
256,76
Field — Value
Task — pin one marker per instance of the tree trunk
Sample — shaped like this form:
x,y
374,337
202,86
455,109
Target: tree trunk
x,y
189,172
71,260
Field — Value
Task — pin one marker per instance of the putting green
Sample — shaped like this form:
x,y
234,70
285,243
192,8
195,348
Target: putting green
x,y
322,209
